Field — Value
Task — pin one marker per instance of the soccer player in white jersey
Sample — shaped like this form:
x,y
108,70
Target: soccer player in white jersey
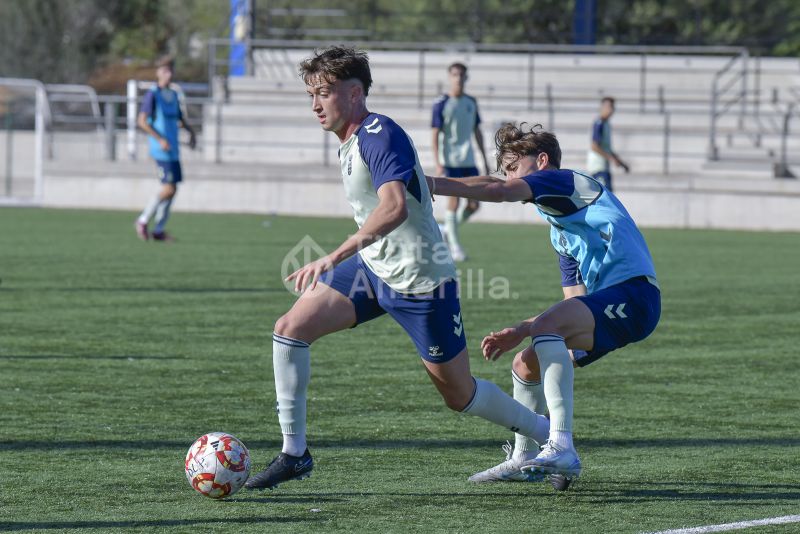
x,y
396,263
455,120
601,155
611,296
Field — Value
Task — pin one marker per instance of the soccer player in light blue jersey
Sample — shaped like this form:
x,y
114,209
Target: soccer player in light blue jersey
x,y
455,120
161,117
395,264
611,296
601,155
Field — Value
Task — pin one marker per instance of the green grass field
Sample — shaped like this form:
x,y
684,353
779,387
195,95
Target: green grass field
x,y
116,354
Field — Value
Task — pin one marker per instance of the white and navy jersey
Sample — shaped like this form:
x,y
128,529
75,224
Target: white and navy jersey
x,y
413,258
601,134
597,240
456,118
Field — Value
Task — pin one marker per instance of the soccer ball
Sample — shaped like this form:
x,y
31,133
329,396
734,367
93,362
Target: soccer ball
x,y
217,465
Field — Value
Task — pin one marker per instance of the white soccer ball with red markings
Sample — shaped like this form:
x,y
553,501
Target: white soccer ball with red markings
x,y
217,465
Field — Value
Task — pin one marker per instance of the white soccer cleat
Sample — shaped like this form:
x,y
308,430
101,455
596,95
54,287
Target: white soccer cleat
x,y
458,254
508,471
553,460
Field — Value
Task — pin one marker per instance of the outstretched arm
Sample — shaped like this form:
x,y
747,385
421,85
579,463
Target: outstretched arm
x,y
390,213
486,188
498,343
479,142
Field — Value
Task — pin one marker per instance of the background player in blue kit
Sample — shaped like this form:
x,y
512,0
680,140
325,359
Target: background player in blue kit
x,y
161,117
611,296
455,120
601,154
396,264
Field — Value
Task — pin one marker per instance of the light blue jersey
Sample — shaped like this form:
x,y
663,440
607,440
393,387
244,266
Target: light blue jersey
x,y
162,107
597,240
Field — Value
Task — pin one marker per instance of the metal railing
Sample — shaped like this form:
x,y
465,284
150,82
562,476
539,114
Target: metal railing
x,y
219,65
728,88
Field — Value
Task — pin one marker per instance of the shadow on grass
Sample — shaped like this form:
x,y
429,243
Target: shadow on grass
x,y
378,444
58,525
147,289
723,493
87,357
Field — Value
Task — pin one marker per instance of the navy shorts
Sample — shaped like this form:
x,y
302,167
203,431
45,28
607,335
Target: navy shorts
x,y
432,320
623,313
461,172
169,172
604,177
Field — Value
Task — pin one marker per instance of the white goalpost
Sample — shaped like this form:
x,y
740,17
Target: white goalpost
x,y
25,187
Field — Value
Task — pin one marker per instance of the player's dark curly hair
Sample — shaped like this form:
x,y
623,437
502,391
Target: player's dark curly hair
x,y
524,141
337,63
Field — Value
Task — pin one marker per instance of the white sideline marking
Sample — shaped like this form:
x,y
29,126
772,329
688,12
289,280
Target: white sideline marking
x,y
783,520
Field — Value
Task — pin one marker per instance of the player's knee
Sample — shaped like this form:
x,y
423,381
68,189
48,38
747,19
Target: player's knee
x,y
526,365
545,324
287,326
456,401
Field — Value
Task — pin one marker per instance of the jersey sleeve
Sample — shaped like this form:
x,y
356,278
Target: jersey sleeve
x,y
597,131
437,117
387,152
148,103
570,271
531,181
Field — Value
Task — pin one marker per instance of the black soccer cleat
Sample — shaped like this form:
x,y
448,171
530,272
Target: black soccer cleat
x,y
282,469
560,482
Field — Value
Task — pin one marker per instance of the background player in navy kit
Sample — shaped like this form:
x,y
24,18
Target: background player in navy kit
x,y
611,296
396,264
601,154
455,120
161,117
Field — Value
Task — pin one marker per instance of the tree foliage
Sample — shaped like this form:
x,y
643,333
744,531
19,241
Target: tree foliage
x,y
67,40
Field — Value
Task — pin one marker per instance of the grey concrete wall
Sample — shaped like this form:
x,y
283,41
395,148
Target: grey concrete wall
x,y
675,201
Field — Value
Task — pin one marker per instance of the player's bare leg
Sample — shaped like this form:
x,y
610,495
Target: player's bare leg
x,y
316,313
568,323
463,393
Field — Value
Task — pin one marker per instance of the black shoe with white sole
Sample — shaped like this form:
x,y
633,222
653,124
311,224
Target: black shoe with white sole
x,y
282,469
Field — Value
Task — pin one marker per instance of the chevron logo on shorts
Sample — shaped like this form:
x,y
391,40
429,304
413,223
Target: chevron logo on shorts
x,y
609,311
459,325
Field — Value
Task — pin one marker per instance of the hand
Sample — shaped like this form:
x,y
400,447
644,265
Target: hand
x,y
622,164
165,146
192,140
439,170
309,274
497,343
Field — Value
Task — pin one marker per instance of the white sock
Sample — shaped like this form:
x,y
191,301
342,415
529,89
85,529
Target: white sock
x,y
464,213
557,378
493,404
530,395
291,362
162,214
451,228
149,210
562,439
